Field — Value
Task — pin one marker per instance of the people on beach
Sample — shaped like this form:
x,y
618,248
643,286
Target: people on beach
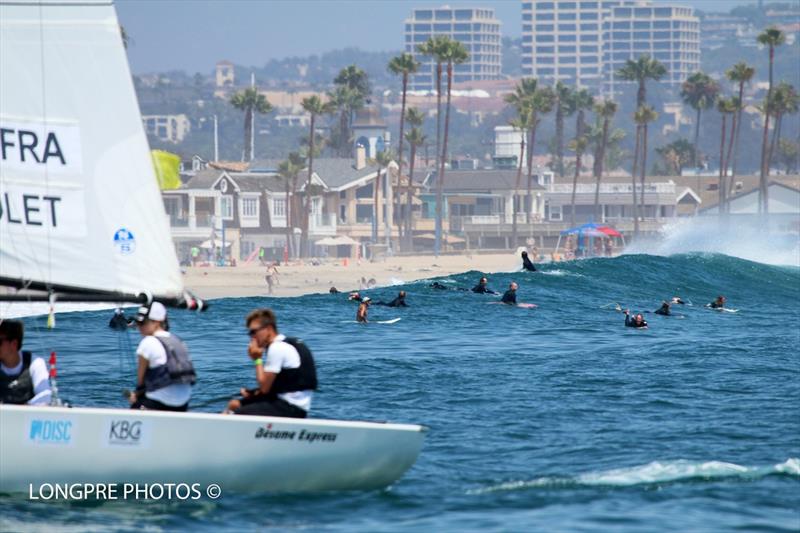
x,y
510,296
636,321
165,374
526,262
24,379
719,303
483,288
664,309
285,372
363,310
399,301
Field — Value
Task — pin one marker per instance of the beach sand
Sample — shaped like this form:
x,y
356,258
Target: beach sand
x,y
296,278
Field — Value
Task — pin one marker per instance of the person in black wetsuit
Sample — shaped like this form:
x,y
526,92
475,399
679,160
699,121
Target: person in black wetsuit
x,y
400,301
482,288
526,263
354,296
637,321
719,303
510,296
119,321
438,286
664,309
333,290
678,300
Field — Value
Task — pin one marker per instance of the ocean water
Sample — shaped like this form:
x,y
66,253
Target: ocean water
x,y
556,418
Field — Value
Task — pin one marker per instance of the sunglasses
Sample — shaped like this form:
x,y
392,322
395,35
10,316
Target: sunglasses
x,y
252,332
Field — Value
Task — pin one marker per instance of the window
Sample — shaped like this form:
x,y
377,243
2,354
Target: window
x,y
566,16
426,14
589,5
363,214
527,27
441,27
444,14
588,16
566,27
588,59
545,5
546,71
545,16
566,59
545,49
226,207
566,49
463,14
555,212
279,207
422,27
642,12
660,35
588,27
663,12
622,25
542,38
620,35
567,5
249,207
544,27
641,25
589,38
364,192
526,16
568,71
641,35
546,60
589,49
564,38
461,27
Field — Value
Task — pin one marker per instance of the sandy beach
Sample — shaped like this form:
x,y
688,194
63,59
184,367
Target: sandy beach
x,y
298,278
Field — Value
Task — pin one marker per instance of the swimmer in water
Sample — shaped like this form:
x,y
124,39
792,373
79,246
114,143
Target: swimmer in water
x,y
510,296
333,290
664,309
678,300
354,296
363,309
526,263
719,303
438,286
482,287
400,301
636,321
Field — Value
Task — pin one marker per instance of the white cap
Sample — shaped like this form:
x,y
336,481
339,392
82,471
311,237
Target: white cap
x,y
156,311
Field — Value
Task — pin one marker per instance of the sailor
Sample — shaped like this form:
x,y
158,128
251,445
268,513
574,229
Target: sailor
x,y
23,378
526,263
119,321
637,321
363,309
165,373
510,296
400,301
286,374
664,309
482,288
719,303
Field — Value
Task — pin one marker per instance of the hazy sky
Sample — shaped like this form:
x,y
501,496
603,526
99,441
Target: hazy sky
x,y
192,35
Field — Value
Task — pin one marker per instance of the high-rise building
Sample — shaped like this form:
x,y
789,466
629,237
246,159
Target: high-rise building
x,y
476,28
585,42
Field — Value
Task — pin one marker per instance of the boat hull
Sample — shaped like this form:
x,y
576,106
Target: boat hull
x,y
240,453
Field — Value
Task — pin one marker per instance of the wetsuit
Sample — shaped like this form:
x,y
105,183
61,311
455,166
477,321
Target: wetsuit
x,y
483,289
397,302
437,285
509,297
631,322
716,305
118,321
663,310
527,264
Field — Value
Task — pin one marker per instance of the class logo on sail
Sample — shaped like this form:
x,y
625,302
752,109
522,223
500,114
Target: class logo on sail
x,y
124,241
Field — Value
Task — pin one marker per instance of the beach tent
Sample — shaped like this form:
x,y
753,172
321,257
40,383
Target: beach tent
x,y
216,243
337,241
591,230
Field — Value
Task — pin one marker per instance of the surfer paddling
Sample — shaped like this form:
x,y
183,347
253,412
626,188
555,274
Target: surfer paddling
x,y
400,301
285,372
483,288
636,321
664,309
719,303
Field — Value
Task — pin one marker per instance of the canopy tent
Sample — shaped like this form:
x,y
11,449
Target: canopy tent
x,y
449,239
337,241
216,243
590,230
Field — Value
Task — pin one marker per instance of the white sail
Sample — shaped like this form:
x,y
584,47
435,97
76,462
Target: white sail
x,y
79,202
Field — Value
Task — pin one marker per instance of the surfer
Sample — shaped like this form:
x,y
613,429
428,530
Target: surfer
x,y
333,290
165,374
719,303
356,296
400,301
24,379
678,300
526,263
510,296
636,321
482,287
286,373
363,309
438,286
664,309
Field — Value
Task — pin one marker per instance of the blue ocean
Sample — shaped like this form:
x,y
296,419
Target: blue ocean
x,y
556,418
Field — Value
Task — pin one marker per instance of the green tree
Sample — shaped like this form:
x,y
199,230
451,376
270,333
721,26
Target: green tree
x,y
415,139
521,123
700,92
577,145
771,38
741,73
289,170
677,155
582,101
565,107
251,102
643,117
784,102
726,106
314,106
436,48
606,111
351,93
789,155
403,65
382,160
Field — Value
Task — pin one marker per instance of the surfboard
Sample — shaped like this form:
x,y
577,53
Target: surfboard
x,y
722,309
392,321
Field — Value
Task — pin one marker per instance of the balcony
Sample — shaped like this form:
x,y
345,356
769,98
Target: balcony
x,y
322,224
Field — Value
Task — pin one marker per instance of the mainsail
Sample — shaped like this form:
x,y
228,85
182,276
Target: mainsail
x,y
80,208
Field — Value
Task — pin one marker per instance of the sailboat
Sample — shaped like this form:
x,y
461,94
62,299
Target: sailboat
x,y
81,220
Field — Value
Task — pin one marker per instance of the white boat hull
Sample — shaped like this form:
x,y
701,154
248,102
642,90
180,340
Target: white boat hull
x,y
239,453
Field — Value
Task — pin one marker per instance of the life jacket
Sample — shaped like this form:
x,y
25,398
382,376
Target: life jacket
x,y
177,370
301,378
17,389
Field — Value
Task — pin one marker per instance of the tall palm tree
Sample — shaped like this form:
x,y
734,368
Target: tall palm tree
x,y
772,38
435,48
382,160
737,109
740,73
725,107
453,54
644,116
251,102
403,65
346,101
605,110
289,170
415,139
582,101
700,92
521,123
314,106
565,107
784,102
541,103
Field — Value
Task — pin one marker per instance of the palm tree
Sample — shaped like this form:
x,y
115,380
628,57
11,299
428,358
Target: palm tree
x,y
605,110
314,106
346,101
784,102
251,102
771,37
700,92
640,70
453,53
382,160
726,107
521,123
436,47
737,104
403,65
415,139
643,116
289,170
565,106
740,73
582,100
541,103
